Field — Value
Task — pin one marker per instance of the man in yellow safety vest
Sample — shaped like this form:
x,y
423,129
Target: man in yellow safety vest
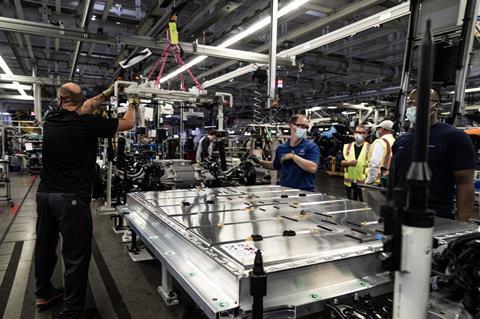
x,y
381,153
355,159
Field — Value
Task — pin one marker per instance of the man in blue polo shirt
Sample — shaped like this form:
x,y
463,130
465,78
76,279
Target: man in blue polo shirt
x,y
297,159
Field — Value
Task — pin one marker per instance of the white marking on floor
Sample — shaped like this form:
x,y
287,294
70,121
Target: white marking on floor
x,y
15,300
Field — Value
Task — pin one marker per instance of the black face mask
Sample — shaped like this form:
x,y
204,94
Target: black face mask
x,y
60,100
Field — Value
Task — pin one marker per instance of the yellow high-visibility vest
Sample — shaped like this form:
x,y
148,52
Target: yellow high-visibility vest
x,y
388,140
355,174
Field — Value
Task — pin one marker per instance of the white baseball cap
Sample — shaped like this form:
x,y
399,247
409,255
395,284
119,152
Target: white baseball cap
x,y
387,125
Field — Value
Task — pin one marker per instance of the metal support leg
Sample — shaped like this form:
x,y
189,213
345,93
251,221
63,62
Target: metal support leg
x,y
107,207
133,246
137,254
166,289
118,224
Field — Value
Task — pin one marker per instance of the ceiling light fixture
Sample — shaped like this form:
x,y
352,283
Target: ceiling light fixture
x,y
6,69
231,75
470,90
293,5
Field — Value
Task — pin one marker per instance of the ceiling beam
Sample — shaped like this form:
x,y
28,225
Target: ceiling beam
x,y
20,15
359,26
30,79
14,49
83,25
36,28
106,11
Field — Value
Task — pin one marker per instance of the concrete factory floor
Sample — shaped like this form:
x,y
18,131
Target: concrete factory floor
x,y
118,287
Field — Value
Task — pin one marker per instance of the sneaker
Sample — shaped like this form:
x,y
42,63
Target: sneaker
x,y
45,303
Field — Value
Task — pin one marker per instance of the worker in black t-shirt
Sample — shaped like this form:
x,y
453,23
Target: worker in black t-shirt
x,y
63,197
451,159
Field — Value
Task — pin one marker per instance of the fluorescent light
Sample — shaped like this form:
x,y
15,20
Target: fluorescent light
x,y
6,69
11,86
470,90
16,97
242,35
315,13
183,68
331,107
231,75
293,5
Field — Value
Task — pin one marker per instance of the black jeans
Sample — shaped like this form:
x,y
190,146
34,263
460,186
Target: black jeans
x,y
68,215
354,192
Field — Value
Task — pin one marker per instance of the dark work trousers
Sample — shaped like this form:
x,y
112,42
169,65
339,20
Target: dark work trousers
x,y
70,216
354,192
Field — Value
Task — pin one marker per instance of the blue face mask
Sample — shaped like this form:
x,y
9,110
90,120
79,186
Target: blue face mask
x,y
300,132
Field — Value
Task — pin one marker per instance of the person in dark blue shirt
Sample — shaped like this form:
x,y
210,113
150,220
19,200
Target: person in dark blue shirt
x,y
451,159
297,159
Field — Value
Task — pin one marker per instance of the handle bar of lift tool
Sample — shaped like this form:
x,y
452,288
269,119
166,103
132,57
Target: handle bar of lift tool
x,y
412,280
258,285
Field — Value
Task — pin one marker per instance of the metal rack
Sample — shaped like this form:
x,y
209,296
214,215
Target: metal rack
x,y
5,171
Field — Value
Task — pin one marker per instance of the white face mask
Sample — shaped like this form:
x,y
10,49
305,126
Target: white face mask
x,y
411,115
359,138
377,133
300,132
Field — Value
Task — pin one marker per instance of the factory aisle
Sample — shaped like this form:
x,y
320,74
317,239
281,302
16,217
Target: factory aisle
x,y
118,287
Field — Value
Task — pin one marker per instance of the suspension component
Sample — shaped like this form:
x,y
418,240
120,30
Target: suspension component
x,y
258,102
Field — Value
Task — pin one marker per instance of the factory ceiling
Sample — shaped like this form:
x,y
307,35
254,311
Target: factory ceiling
x,y
364,65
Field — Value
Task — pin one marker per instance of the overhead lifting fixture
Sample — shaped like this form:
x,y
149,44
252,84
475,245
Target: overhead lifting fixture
x,y
174,45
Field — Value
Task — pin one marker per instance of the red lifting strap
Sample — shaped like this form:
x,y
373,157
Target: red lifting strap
x,y
162,61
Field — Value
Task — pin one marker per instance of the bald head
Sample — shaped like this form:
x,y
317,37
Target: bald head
x,y
70,95
434,96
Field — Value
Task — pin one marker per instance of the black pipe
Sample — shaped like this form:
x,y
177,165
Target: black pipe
x,y
407,59
258,285
121,153
221,150
418,176
467,22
